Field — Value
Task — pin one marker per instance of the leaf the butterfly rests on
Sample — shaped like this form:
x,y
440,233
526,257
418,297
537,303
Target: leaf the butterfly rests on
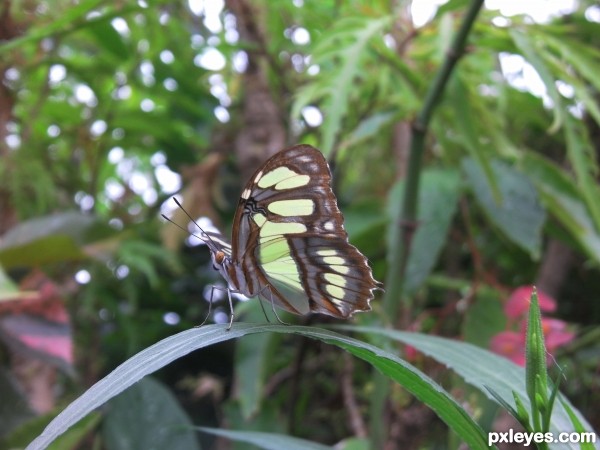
x,y
289,246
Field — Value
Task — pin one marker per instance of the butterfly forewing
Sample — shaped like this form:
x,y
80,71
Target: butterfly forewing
x,y
289,245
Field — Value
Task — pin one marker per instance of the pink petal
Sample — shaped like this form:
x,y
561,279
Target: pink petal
x,y
510,344
518,303
556,334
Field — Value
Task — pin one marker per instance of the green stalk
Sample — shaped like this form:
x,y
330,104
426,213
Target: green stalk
x,y
404,225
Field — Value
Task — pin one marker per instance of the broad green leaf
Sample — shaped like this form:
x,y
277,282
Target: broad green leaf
x,y
563,200
45,240
251,356
484,319
148,416
519,216
480,368
173,347
71,223
269,441
438,200
52,249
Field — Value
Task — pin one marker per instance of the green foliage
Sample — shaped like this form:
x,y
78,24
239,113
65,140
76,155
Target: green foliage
x,y
517,213
174,347
480,368
111,107
437,206
341,52
268,441
147,416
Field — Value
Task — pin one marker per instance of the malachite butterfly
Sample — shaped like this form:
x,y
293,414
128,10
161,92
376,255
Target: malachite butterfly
x,y
289,246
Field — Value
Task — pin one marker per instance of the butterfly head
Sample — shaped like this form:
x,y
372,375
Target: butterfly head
x,y
220,248
219,251
219,256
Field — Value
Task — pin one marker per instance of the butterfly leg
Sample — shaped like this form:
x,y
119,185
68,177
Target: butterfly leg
x,y
268,287
230,309
210,302
263,309
277,315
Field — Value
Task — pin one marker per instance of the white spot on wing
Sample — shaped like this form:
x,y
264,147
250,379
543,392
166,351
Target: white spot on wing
x,y
259,219
335,279
273,177
327,252
341,269
290,208
293,182
274,229
333,260
329,226
335,291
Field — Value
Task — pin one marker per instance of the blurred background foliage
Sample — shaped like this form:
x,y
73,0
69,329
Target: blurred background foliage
x,y
107,109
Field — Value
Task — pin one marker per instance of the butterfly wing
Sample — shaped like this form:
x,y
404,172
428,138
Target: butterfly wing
x,y
289,245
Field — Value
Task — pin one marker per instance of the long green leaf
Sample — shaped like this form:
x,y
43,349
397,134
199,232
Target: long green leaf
x,y
564,200
438,201
54,238
148,416
525,44
584,58
337,87
482,369
171,348
466,119
268,441
65,22
582,156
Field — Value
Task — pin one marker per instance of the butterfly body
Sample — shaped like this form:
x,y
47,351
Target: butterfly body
x,y
289,246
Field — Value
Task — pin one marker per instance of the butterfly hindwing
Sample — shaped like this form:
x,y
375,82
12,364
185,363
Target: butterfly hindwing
x,y
289,242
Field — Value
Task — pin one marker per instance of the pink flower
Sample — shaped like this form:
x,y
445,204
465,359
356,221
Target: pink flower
x,y
518,303
510,344
556,333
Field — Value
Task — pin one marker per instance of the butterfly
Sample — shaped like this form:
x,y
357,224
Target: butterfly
x,y
288,245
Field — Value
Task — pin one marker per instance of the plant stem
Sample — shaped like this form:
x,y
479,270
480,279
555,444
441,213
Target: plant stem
x,y
405,224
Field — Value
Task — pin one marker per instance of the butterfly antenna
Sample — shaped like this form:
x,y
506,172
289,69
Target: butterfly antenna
x,y
180,227
194,222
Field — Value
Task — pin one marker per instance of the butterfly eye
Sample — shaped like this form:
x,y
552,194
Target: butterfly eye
x,y
219,257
